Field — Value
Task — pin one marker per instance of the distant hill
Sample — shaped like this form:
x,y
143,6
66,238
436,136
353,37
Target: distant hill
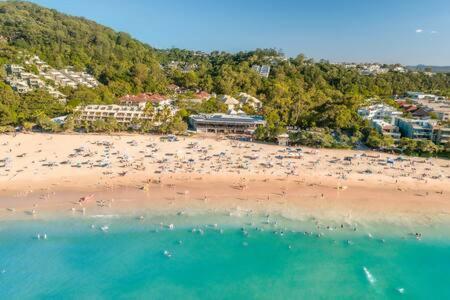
x,y
434,69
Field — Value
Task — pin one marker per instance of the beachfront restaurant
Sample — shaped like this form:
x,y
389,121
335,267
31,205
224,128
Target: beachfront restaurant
x,y
225,123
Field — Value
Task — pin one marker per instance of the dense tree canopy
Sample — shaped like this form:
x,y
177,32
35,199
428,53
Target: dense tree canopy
x,y
299,91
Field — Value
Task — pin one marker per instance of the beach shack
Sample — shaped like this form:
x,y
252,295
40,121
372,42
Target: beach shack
x,y
283,139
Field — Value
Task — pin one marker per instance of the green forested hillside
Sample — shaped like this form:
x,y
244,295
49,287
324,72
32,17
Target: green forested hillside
x,y
116,59
299,92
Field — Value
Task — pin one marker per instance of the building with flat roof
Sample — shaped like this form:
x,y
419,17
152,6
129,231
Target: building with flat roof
x,y
416,128
14,70
441,135
225,123
20,86
263,70
379,111
372,69
386,128
421,96
424,129
121,113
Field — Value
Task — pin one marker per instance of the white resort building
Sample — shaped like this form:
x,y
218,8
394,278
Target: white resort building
x,y
121,113
382,118
379,111
263,70
132,107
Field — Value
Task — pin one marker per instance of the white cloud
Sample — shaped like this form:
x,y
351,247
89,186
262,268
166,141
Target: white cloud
x,y
419,30
434,32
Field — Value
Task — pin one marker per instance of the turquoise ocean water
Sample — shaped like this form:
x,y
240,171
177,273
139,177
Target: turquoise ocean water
x,y
240,258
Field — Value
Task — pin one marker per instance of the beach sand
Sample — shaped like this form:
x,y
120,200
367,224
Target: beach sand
x,y
47,174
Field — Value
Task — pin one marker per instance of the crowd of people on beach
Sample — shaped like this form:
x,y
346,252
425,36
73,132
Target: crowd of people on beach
x,y
211,157
154,160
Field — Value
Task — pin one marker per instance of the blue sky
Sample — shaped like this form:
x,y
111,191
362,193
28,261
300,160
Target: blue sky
x,y
390,31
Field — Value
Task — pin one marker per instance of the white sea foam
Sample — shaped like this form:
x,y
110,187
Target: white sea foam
x,y
369,276
104,216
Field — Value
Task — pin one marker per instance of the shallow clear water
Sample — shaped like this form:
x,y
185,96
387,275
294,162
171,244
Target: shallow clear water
x,y
128,261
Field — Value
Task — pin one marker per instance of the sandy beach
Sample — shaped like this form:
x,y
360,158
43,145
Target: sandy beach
x,y
42,174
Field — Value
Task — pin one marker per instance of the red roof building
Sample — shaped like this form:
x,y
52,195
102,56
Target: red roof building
x,y
407,106
142,99
202,95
